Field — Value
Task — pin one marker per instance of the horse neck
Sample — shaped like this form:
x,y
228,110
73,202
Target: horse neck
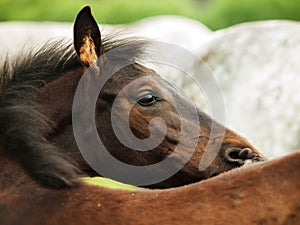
x,y
56,98
12,175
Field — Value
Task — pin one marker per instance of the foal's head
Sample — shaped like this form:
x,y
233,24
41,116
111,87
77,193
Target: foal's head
x,y
131,99
127,108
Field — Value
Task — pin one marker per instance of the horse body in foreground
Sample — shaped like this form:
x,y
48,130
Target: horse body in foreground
x,y
266,193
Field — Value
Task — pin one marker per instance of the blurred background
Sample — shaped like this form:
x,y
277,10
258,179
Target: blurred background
x,y
216,14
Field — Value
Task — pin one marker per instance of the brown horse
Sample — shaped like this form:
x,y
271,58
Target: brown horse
x,y
37,121
37,94
38,150
266,193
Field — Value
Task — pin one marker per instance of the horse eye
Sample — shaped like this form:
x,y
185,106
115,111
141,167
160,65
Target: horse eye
x,y
147,100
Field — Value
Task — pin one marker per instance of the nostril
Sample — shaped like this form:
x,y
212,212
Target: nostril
x,y
246,153
239,155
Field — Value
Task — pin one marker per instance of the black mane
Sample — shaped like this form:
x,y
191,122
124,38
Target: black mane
x,y
47,62
23,126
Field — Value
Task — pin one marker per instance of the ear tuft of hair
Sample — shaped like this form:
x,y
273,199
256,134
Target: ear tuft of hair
x,y
87,37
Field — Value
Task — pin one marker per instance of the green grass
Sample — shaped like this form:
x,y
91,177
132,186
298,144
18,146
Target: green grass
x,y
106,182
214,13
105,11
223,13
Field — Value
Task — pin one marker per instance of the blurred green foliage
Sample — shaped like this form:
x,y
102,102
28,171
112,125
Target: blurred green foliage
x,y
214,13
105,11
223,13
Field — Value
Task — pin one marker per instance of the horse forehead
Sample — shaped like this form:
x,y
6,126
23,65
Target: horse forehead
x,y
152,82
145,70
134,69
134,77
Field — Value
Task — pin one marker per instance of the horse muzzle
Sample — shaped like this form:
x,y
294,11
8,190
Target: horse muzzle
x,y
242,155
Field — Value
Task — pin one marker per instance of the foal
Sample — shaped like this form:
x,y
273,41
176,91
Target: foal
x,y
37,121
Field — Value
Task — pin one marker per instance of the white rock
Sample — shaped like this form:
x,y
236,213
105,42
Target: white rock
x,y
174,29
16,36
257,66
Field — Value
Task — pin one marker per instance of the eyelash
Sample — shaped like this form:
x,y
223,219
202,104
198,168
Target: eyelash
x,y
148,99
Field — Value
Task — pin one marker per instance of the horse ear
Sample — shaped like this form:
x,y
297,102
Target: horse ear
x,y
87,37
